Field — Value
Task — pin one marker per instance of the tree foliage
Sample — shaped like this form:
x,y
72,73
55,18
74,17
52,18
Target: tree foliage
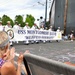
x,y
6,18
19,18
30,19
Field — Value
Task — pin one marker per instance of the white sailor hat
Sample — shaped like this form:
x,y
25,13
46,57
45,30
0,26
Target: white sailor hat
x,y
16,21
51,26
19,24
27,23
58,27
8,21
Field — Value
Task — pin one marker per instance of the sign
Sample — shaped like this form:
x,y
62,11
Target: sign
x,y
29,34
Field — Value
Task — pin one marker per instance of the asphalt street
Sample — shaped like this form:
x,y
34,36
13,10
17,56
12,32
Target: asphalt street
x,y
60,51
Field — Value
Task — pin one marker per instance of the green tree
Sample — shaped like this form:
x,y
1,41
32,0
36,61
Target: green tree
x,y
30,19
0,18
6,18
23,24
19,18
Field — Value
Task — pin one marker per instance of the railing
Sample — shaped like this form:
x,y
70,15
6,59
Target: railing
x,y
37,65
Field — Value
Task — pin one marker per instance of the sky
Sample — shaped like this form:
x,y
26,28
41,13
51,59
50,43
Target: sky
x,y
23,7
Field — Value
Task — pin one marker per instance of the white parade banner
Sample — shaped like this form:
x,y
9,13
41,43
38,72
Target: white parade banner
x,y
29,34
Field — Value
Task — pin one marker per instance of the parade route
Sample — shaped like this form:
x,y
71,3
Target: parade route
x,y
60,51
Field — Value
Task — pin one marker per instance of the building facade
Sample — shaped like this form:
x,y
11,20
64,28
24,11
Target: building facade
x,y
64,15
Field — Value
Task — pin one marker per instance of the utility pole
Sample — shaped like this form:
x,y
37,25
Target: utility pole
x,y
45,14
50,13
65,16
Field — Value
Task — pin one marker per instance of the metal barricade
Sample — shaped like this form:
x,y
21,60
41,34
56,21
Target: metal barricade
x,y
37,65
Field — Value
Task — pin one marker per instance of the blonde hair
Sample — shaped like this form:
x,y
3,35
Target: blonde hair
x,y
3,39
3,42
3,36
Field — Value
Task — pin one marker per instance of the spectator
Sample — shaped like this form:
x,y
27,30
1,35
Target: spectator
x,y
7,55
1,27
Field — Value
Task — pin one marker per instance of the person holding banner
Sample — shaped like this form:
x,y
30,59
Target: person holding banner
x,y
25,28
58,30
50,29
19,26
16,26
42,28
1,27
34,27
7,27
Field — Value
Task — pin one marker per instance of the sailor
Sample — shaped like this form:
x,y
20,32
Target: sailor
x,y
1,27
34,27
16,25
50,29
25,28
7,27
42,28
19,26
58,30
